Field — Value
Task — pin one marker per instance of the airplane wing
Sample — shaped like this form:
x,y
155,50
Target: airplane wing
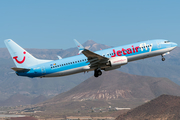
x,y
93,58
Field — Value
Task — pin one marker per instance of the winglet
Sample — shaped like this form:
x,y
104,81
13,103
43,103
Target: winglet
x,y
80,47
59,57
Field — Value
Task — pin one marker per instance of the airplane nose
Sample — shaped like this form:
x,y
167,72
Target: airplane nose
x,y
174,44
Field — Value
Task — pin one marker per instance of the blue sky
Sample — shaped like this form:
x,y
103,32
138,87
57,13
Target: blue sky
x,y
53,24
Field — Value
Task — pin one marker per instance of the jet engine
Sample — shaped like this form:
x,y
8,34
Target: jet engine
x,y
116,62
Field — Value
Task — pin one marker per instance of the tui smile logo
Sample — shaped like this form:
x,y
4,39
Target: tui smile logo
x,y
20,62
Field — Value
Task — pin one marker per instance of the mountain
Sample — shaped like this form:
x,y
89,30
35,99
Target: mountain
x,y
114,88
118,85
93,46
38,99
19,99
165,107
90,44
16,100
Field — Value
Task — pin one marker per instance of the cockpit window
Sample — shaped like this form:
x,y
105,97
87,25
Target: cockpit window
x,y
166,41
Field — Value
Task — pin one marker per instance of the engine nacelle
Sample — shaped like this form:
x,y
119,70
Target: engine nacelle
x,y
117,61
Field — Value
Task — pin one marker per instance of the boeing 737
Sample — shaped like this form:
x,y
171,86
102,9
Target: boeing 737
x,y
107,59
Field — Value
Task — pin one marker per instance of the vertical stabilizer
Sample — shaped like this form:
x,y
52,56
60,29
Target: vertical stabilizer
x,y
21,57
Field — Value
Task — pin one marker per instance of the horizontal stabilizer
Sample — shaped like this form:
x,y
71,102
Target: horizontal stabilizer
x,y
20,69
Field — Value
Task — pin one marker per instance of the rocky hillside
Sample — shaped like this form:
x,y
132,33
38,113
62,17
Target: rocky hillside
x,y
165,107
114,88
19,99
118,85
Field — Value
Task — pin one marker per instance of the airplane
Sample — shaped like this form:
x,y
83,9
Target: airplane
x,y
107,59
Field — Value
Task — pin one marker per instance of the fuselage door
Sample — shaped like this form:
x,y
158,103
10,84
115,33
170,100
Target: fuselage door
x,y
158,44
43,70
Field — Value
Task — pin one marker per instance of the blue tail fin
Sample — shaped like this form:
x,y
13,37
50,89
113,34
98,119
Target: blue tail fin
x,y
21,57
